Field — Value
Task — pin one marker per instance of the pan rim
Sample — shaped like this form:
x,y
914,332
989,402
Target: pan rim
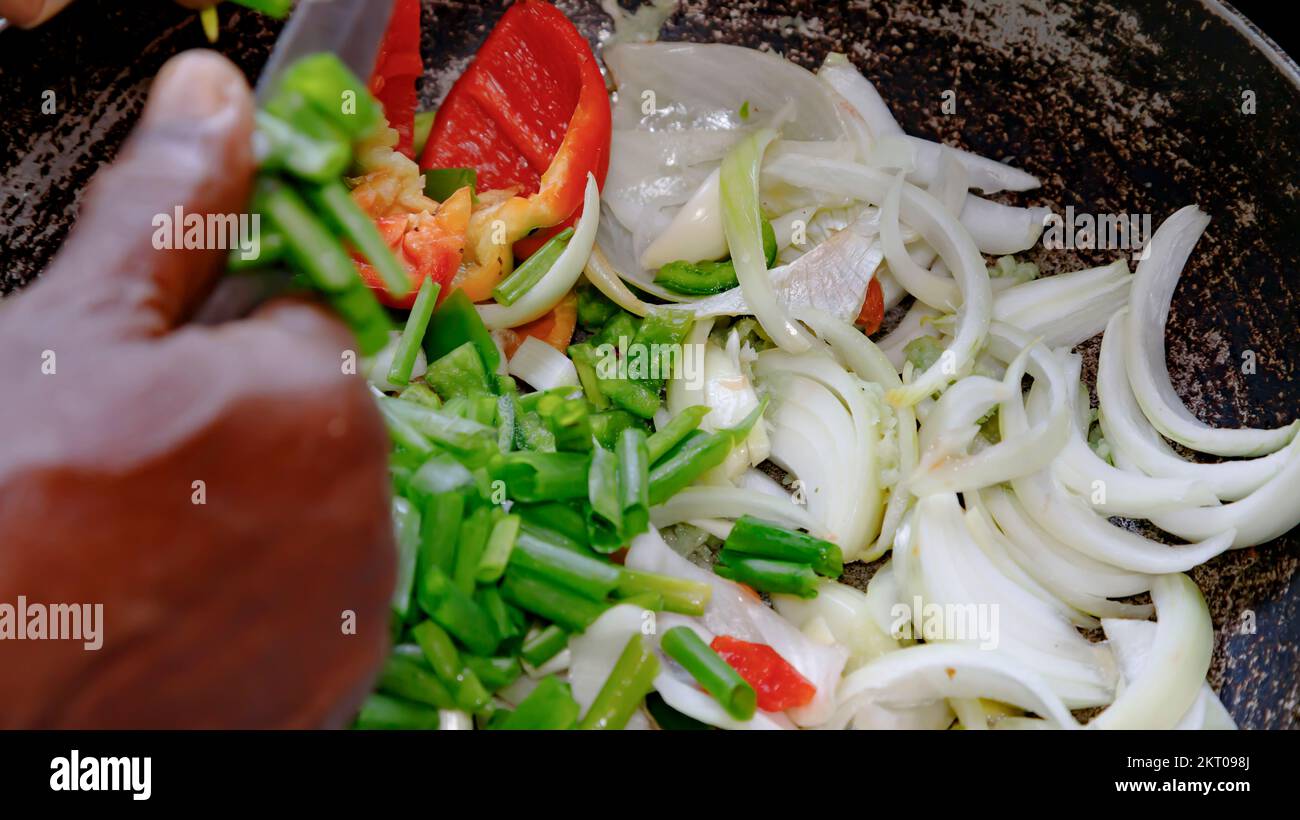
x,y
1257,38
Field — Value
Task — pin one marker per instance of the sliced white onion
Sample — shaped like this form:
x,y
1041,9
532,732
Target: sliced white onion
x,y
562,276
987,175
783,226
1025,300
952,182
1028,451
761,482
864,406
704,84
1110,490
542,366
454,720
833,277
1067,308
1135,442
731,397
943,233
601,273
950,424
734,502
695,234
930,672
959,578
1144,350
1072,575
939,292
741,223
1133,642
862,356
892,292
1175,669
660,155
861,96
682,392
846,612
692,702
871,364
917,322
619,248
1265,514
808,425
856,502
1001,229
995,547
1073,523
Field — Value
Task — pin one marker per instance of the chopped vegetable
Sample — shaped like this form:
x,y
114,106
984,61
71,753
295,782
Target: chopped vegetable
x,y
500,545
382,711
527,275
544,645
407,675
531,112
779,685
678,428
455,322
549,706
556,564
442,183
397,69
631,679
410,343
555,603
302,141
678,594
767,575
711,671
706,278
325,82
753,536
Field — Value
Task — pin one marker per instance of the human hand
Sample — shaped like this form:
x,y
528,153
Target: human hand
x,y
221,491
29,13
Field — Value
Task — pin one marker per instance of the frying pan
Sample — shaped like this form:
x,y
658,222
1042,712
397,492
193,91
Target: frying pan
x,y
1118,106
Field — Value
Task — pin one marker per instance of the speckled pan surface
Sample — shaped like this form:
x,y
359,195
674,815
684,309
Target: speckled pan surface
x,y
1118,106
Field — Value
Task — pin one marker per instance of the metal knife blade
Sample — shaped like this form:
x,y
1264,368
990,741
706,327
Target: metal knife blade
x,y
351,29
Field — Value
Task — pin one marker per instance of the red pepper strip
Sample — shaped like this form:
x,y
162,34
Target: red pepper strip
x,y
428,245
531,112
555,328
397,69
778,684
873,308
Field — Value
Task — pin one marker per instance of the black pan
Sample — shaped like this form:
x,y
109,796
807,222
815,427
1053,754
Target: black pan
x,y
1119,107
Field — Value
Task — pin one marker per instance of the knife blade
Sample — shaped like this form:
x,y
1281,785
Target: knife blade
x,y
351,29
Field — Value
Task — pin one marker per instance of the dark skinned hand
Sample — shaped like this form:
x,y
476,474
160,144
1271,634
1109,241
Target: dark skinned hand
x,y
232,612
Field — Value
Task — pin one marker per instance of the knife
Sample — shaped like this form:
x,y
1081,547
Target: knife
x,y
350,29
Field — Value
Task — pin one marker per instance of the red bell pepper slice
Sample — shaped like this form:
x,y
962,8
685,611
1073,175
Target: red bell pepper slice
x,y
779,685
873,308
531,112
428,245
397,69
555,328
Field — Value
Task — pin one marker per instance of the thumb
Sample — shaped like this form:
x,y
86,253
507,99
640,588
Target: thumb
x,y
28,13
156,225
